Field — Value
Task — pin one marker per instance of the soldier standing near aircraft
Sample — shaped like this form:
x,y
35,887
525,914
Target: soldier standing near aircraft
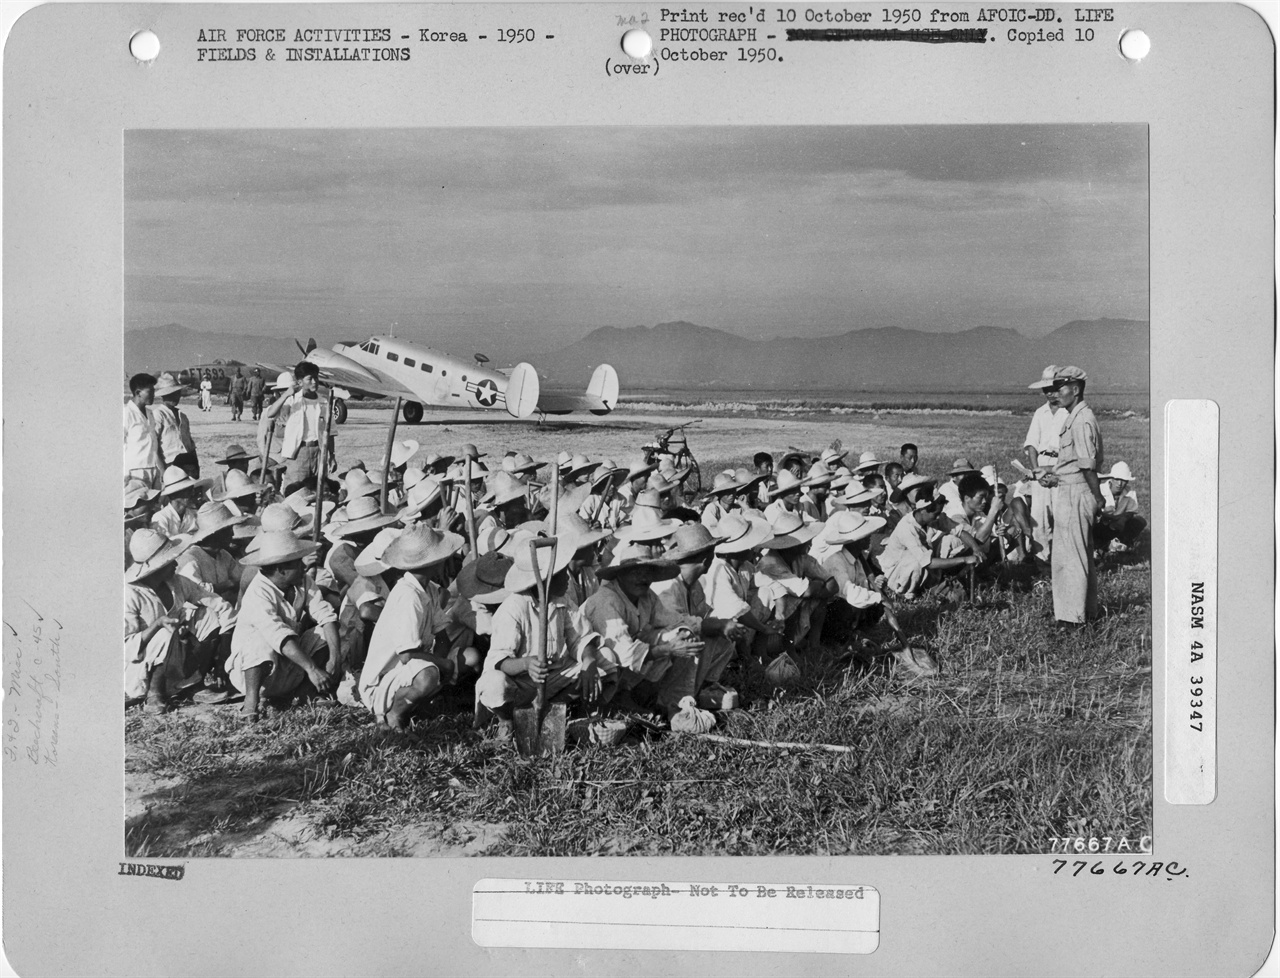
x,y
239,385
256,386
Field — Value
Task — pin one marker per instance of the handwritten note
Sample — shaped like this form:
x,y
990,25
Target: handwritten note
x,y
32,686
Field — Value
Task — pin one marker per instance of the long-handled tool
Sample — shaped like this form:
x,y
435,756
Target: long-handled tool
x,y
322,471
386,456
470,509
539,728
266,451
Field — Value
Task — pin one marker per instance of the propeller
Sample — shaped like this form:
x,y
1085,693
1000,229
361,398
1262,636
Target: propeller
x,y
311,345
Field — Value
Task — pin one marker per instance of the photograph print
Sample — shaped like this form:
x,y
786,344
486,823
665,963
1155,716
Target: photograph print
x,y
678,490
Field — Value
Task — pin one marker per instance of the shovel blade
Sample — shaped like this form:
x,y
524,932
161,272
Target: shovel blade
x,y
543,734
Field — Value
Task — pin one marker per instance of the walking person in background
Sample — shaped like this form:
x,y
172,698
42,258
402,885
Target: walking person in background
x,y
239,387
1078,503
256,388
206,392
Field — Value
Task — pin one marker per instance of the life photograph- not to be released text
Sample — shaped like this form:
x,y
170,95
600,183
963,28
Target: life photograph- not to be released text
x,y
622,491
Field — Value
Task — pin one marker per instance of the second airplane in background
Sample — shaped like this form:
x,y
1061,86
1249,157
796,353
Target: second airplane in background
x,y
383,366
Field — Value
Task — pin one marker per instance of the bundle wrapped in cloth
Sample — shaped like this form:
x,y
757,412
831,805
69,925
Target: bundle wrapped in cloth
x,y
690,719
783,670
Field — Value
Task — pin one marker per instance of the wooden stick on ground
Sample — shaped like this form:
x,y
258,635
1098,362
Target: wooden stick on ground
x,y
776,744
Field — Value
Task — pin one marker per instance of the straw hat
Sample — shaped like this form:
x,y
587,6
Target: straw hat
x,y
578,465
867,460
819,475
659,483
279,518
167,384
235,453
647,525
787,483
412,476
842,477
470,451
746,478
284,381
435,462
961,466
608,469
421,546
1120,471
520,575
723,483
691,540
176,481
357,483
151,551
667,470
790,530
1047,379
792,457
831,456
741,533
506,488
402,451
638,467
847,526
277,547
368,562
483,579
632,555
915,481
577,533
210,518
136,491
856,494
521,464
364,514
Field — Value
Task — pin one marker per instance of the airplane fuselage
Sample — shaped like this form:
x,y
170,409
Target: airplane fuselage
x,y
433,378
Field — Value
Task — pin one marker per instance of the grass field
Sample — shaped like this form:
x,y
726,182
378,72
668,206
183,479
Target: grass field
x,y
1027,735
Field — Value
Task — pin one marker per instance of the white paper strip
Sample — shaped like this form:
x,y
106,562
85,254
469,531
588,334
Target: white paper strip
x,y
823,918
1191,600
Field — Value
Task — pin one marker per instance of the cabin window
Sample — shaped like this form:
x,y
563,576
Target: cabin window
x,y
444,373
393,356
464,378
410,362
426,368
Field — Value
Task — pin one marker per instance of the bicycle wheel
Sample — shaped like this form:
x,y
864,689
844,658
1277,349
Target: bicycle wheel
x,y
693,484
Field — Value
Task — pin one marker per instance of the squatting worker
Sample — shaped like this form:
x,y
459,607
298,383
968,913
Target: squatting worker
x,y
303,429
1040,450
1078,503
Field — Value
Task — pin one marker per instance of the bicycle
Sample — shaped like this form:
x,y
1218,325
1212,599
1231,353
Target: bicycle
x,y
673,443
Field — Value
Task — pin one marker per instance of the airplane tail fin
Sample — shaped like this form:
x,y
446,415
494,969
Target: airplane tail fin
x,y
522,391
604,385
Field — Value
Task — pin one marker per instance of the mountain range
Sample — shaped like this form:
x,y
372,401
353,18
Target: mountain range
x,y
1114,352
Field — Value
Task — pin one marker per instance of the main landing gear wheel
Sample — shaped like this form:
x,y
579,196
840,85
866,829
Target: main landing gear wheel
x,y
412,412
339,411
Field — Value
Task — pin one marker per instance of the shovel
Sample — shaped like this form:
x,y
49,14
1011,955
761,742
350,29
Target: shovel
x,y
540,728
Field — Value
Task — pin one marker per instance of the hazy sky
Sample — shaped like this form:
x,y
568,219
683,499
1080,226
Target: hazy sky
x,y
504,239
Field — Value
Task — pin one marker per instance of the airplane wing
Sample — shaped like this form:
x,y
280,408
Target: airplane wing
x,y
600,397
337,370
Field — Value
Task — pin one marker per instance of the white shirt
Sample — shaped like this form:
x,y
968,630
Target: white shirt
x,y
141,441
409,620
1042,435
303,426
169,522
268,617
1127,503
174,429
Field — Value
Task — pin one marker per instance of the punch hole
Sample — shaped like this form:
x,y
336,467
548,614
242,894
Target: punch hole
x,y
144,45
637,43
1135,45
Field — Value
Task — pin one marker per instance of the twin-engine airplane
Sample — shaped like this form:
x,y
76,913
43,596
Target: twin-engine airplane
x,y
383,366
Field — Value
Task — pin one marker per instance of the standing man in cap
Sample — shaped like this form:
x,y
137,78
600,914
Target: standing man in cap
x,y
239,387
256,387
1079,501
142,459
304,426
1040,450
176,444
